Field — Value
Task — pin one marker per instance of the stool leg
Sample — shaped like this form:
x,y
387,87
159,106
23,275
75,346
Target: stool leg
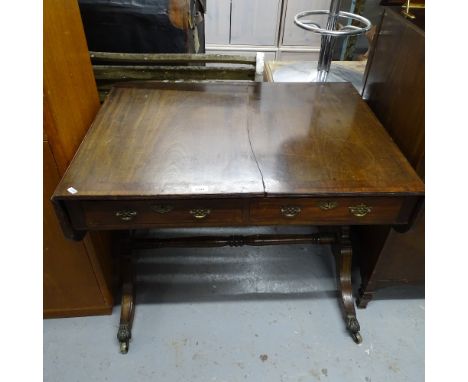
x,y
127,312
343,257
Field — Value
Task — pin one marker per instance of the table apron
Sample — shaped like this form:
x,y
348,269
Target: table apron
x,y
89,215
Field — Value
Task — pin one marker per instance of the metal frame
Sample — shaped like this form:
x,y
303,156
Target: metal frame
x,y
347,30
330,33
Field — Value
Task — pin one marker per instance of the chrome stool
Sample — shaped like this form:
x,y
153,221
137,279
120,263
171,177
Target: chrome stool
x,y
331,32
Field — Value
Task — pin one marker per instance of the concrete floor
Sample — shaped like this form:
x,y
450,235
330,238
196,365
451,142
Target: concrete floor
x,y
240,314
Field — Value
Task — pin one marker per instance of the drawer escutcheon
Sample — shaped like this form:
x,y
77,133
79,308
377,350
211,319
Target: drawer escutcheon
x,y
327,205
126,215
162,208
200,213
360,210
290,211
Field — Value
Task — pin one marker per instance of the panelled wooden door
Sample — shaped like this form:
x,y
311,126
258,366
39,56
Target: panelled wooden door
x,y
76,274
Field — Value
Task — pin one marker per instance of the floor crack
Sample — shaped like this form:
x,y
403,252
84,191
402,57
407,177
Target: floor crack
x,y
255,157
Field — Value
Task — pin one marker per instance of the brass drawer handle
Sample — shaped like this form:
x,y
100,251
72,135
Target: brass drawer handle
x,y
162,208
360,210
200,213
290,211
126,215
327,205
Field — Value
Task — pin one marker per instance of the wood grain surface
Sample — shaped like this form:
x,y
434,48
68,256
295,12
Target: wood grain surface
x,y
131,214
314,139
66,292
69,86
196,140
167,142
77,276
395,84
394,90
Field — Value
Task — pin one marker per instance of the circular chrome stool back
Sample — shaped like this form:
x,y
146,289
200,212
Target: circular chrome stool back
x,y
331,32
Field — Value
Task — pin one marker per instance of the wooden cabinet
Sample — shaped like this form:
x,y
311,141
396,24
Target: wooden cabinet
x,y
394,89
70,286
76,274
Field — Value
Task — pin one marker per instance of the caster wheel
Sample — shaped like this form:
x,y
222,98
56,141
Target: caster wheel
x,y
124,347
357,338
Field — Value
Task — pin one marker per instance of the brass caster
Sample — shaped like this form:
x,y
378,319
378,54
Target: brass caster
x,y
357,338
124,347
123,336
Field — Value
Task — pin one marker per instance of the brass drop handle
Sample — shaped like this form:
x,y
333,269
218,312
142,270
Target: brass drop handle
x,y
126,215
329,205
360,210
290,211
200,213
162,208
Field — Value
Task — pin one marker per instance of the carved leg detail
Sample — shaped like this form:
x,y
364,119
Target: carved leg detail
x,y
126,317
343,256
363,298
127,312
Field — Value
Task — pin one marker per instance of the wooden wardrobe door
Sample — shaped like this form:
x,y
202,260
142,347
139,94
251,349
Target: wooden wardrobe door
x,y
76,274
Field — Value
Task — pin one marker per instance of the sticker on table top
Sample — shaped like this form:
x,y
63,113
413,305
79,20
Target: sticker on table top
x,y
72,190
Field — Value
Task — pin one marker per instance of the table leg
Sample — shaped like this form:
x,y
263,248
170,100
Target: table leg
x,y
363,298
343,256
124,333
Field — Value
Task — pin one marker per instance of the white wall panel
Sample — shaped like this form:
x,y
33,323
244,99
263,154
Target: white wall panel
x,y
293,35
217,21
255,22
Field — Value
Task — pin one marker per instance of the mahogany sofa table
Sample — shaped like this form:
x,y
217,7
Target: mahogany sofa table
x,y
237,154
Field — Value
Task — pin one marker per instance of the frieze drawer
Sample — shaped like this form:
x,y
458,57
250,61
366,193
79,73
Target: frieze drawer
x,y
335,210
124,214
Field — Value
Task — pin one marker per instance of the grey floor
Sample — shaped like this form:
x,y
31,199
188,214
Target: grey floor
x,y
240,314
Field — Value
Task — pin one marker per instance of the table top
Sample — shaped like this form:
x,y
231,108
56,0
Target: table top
x,y
156,140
